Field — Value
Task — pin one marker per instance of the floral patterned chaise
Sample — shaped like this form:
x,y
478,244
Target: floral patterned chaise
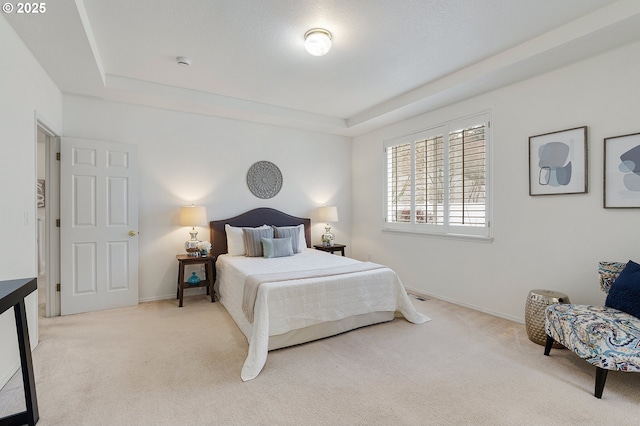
x,y
605,336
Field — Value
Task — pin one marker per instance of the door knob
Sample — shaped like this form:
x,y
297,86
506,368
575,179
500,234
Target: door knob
x,y
132,233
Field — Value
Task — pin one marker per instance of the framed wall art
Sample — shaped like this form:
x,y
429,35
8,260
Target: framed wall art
x,y
40,192
622,171
558,162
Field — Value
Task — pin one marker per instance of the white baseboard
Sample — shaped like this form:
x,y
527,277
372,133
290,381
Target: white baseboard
x,y
187,292
466,305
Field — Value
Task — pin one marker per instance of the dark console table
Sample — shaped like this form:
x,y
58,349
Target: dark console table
x,y
12,293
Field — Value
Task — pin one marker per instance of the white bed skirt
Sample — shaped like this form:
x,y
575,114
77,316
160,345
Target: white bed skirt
x,y
326,329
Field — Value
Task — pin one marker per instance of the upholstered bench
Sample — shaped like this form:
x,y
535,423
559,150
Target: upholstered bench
x,y
606,337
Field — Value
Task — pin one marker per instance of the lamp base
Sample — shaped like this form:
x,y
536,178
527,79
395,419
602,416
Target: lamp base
x,y
327,237
191,246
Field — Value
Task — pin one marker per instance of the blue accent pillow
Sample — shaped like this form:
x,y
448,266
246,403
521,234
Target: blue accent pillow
x,y
624,294
277,247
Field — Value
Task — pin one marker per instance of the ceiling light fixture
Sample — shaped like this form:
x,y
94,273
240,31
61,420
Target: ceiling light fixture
x,y
183,60
317,41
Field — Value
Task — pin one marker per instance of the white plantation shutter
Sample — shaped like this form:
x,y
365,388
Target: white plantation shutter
x,y
430,180
399,193
467,171
437,180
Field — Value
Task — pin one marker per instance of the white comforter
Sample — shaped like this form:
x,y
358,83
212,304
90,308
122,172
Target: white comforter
x,y
289,305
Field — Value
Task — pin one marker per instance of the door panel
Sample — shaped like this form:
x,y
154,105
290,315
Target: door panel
x,y
84,268
117,212
117,263
84,195
99,257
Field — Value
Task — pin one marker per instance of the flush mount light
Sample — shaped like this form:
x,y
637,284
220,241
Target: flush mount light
x,y
317,41
183,60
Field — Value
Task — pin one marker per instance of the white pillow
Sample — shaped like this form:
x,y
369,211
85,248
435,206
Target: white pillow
x,y
235,239
303,240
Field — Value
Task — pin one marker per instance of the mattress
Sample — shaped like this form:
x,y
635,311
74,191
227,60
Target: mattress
x,y
298,309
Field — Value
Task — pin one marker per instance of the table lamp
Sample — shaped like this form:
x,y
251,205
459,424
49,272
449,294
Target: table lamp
x,y
193,216
328,214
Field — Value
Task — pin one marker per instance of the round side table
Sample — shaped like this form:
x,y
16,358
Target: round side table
x,y
534,318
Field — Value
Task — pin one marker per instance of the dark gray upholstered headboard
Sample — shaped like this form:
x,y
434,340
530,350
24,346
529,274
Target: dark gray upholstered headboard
x,y
252,218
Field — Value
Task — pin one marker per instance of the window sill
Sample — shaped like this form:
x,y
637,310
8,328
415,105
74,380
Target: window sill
x,y
460,237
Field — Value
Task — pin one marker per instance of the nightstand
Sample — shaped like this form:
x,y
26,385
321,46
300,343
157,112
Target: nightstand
x,y
209,273
331,249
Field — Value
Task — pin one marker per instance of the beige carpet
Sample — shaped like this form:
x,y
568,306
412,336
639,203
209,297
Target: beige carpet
x,y
157,364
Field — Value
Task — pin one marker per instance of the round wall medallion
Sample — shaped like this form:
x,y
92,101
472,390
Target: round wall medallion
x,y
264,179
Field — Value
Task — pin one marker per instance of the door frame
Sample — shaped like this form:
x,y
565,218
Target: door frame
x,y
52,197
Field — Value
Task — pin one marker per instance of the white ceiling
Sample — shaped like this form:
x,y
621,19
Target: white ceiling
x,y
391,59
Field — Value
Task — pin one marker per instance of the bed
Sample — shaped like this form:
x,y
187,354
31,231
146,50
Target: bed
x,y
301,297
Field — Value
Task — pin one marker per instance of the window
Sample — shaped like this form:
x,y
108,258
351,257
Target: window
x,y
438,180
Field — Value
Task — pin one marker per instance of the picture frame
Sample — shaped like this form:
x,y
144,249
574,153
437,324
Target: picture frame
x,y
40,193
622,172
558,162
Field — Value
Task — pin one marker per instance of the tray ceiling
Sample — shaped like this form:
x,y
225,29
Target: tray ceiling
x,y
390,59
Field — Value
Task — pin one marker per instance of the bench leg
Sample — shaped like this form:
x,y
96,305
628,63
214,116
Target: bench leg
x,y
601,377
548,345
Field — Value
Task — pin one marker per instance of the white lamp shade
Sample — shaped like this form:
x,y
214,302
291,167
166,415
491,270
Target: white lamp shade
x,y
328,214
317,42
193,216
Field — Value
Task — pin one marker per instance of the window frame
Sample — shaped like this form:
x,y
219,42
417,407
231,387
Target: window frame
x,y
446,229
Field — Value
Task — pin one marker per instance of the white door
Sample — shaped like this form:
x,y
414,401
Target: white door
x,y
98,225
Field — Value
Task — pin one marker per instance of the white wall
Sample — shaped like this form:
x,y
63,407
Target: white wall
x,y
26,90
550,242
188,158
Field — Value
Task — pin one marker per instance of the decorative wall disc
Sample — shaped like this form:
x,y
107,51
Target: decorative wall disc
x,y
264,179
